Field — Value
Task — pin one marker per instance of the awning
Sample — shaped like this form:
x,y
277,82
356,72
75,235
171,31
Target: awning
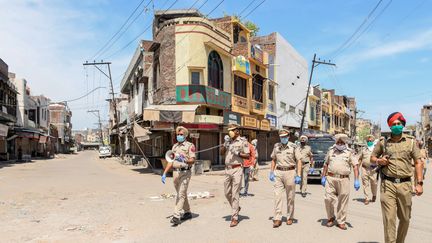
x,y
171,113
140,133
4,130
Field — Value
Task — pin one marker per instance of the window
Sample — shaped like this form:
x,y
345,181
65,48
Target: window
x,y
257,92
291,109
271,92
240,86
257,68
312,112
283,105
215,71
195,77
156,73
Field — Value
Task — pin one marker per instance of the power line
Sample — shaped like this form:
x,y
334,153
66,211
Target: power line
x,y
241,12
127,27
72,100
118,31
138,36
358,28
253,9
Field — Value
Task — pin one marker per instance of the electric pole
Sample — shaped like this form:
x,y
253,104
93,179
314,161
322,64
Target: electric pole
x,y
114,103
315,63
99,123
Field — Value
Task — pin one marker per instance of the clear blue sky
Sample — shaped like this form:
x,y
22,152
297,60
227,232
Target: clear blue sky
x,y
387,69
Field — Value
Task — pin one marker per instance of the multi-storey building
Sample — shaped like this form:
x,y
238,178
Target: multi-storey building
x,y
60,116
8,108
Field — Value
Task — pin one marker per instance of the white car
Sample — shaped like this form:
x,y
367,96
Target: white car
x,y
104,151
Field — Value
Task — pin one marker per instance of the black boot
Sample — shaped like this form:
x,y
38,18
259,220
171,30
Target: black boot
x,y
175,221
186,216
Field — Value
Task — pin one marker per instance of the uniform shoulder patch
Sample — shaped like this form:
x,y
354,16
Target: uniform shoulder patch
x,y
192,148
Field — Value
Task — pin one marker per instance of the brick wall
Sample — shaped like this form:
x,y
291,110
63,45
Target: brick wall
x,y
267,43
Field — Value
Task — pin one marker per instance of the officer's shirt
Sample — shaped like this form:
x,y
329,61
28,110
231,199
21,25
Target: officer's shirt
x,y
285,155
305,153
365,156
401,154
240,144
186,148
340,162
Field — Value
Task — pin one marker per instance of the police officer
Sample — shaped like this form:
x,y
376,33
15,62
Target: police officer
x,y
185,157
256,166
394,155
236,149
369,172
285,161
305,153
336,172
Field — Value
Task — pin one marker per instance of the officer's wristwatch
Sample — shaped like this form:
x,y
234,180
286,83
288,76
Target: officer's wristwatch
x,y
420,183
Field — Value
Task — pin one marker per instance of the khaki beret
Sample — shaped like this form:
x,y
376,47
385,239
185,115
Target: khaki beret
x,y
342,137
232,127
184,129
283,132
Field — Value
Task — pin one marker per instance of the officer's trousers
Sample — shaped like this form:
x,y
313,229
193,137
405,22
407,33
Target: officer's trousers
x,y
181,183
369,181
304,175
232,186
284,184
396,200
337,192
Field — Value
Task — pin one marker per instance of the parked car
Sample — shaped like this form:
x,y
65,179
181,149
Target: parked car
x,y
320,144
104,151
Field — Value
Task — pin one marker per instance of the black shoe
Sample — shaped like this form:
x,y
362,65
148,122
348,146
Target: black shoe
x,y
186,216
175,221
303,194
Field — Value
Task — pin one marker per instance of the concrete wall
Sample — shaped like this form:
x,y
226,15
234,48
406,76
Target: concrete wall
x,y
292,78
21,85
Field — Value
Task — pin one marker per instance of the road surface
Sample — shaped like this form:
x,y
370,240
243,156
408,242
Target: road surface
x,y
81,198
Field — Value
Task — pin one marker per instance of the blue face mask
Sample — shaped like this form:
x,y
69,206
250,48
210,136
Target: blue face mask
x,y
180,138
370,144
284,140
397,129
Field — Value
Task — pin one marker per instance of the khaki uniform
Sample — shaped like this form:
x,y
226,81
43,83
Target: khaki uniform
x,y
256,167
182,178
337,190
305,154
233,176
396,197
369,174
285,156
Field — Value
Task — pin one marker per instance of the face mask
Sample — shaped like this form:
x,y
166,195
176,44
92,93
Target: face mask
x,y
284,140
303,143
231,134
370,144
340,147
397,129
180,138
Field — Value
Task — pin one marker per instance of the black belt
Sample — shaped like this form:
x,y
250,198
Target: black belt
x,y
184,169
285,168
305,163
395,180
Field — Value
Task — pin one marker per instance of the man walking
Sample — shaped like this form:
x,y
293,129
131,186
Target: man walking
x,y
256,166
305,153
236,149
394,155
369,174
185,157
285,161
248,165
336,172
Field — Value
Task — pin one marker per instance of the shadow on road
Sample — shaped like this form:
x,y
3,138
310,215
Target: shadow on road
x,y
12,163
143,170
284,219
240,218
362,200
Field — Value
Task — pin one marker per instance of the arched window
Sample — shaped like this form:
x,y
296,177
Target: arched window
x,y
215,71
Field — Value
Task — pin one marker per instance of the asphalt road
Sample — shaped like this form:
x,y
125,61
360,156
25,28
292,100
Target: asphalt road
x,y
81,198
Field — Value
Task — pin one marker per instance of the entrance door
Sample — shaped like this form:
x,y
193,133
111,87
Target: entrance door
x,y
208,140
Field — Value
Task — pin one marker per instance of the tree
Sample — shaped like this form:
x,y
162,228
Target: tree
x,y
252,27
363,132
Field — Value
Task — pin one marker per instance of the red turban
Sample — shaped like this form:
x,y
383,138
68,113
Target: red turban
x,y
395,116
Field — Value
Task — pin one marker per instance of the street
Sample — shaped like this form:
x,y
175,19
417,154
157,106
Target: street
x,y
81,198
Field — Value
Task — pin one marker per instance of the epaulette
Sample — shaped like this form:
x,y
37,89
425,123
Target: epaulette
x,y
292,144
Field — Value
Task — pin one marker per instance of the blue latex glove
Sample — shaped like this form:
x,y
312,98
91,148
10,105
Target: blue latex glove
x,y
297,180
311,170
163,178
181,158
323,180
356,184
272,176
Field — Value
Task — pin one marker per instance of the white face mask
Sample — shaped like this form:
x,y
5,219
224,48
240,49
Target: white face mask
x,y
340,147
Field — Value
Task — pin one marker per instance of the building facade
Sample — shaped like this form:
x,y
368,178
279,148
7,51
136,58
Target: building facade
x,y
60,117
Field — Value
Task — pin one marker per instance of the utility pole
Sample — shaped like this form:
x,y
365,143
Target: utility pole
x,y
96,65
99,123
315,63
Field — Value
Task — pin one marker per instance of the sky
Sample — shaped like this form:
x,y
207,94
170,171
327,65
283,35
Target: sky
x,y
386,65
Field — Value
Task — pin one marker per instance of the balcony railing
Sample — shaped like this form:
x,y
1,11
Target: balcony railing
x,y
202,94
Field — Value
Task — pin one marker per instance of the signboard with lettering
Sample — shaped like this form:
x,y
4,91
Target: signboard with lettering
x,y
265,125
232,118
201,94
241,64
272,119
249,121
